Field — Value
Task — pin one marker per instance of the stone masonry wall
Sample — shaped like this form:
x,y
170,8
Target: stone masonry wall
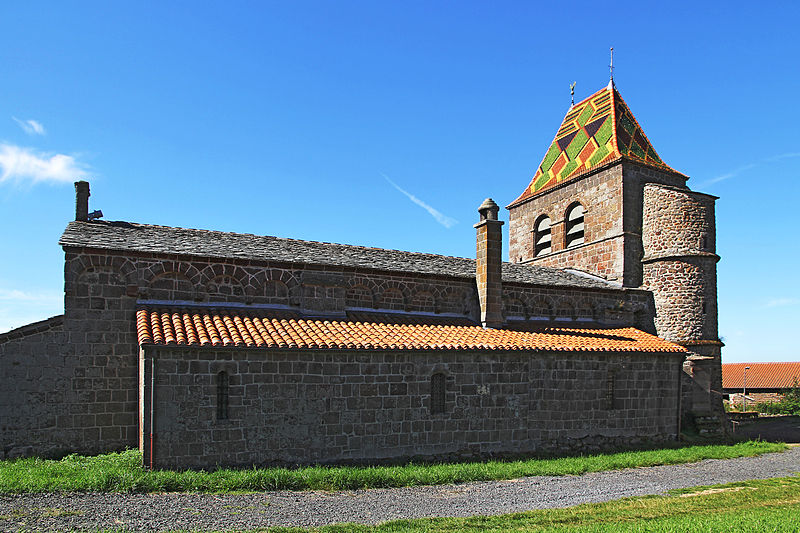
x,y
684,292
579,307
325,405
680,268
102,289
75,389
32,399
679,265
601,196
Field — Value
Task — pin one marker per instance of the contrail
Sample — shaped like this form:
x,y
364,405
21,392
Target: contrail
x,y
444,220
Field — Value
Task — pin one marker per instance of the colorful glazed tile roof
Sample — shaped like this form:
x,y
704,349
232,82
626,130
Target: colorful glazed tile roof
x,y
760,375
595,131
259,328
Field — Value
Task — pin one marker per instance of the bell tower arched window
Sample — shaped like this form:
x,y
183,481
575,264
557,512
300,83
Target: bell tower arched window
x,y
574,225
541,236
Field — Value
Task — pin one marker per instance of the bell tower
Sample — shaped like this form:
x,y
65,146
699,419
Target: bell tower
x,y
602,201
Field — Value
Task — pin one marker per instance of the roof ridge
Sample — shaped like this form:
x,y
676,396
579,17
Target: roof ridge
x,y
156,239
274,237
589,137
34,327
646,138
588,98
527,192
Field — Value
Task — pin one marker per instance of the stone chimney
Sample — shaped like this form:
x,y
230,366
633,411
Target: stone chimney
x,y
489,265
82,201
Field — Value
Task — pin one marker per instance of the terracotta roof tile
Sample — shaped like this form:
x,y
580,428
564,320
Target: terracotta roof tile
x,y
262,328
760,375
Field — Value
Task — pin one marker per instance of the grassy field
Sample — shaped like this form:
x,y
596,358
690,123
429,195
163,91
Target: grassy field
x,y
750,506
122,472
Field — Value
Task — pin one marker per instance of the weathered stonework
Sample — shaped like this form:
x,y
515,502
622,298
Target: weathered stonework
x,y
643,228
89,401
291,407
601,196
80,383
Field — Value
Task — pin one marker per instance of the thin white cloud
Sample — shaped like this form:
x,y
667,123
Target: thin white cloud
x,y
18,308
24,164
787,155
747,167
16,295
30,126
729,175
444,220
782,302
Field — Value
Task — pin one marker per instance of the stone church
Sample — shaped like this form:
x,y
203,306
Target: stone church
x,y
206,348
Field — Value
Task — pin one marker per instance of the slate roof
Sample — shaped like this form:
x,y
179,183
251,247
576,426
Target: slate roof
x,y
596,131
760,375
33,328
126,236
257,328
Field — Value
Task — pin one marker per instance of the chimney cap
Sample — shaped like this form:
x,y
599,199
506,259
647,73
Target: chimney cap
x,y
487,204
488,210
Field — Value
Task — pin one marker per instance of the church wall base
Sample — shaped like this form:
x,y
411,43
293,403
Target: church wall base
x,y
321,406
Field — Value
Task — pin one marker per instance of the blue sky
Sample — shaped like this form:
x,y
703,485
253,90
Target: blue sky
x,y
386,124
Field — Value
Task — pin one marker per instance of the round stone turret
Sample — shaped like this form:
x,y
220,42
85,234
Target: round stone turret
x,y
679,263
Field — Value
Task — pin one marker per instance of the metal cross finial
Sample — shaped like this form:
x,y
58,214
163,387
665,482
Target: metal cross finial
x,y
572,92
611,66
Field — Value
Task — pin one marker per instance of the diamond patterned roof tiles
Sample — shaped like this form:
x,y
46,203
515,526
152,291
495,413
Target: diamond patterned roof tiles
x,y
596,131
259,328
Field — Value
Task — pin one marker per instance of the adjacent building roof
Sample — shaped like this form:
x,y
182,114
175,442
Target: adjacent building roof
x,y
595,131
126,236
33,328
760,375
261,328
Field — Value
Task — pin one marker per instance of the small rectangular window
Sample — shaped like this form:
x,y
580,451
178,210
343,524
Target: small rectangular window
x,y
437,393
222,396
610,391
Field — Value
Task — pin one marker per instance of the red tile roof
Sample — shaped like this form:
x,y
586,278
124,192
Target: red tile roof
x,y
760,375
262,328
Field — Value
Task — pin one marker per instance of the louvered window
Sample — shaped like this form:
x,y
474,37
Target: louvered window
x,y
574,225
541,237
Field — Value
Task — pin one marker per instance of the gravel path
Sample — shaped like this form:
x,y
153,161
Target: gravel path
x,y
153,512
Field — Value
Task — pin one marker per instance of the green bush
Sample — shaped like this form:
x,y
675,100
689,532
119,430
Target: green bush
x,y
789,405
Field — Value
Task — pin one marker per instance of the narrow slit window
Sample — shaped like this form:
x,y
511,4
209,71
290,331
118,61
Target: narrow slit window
x,y
222,396
610,392
575,227
541,237
437,393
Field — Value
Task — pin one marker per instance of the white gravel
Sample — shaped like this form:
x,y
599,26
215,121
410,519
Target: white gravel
x,y
155,512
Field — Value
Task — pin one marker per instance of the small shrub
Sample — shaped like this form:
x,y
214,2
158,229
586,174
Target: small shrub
x,y
789,405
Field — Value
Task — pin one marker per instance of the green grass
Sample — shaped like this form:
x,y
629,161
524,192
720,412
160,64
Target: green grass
x,y
764,505
122,472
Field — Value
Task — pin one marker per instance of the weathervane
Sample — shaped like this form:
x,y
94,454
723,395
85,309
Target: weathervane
x,y
572,93
611,66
